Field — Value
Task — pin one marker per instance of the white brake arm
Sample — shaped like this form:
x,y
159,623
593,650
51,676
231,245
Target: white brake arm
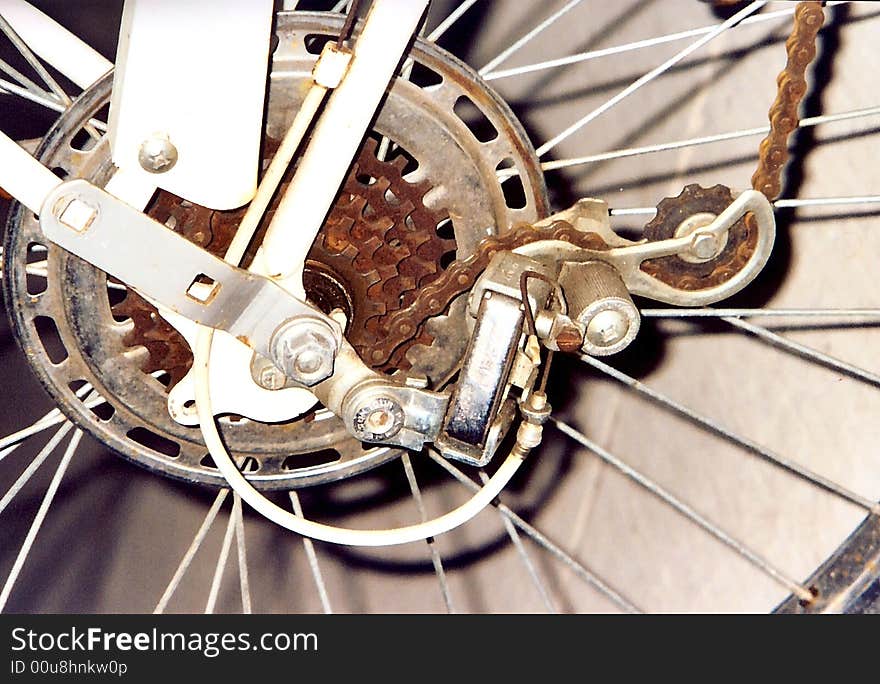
x,y
378,50
22,176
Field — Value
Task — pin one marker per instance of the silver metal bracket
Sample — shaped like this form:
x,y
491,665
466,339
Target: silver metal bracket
x,y
627,256
167,268
178,275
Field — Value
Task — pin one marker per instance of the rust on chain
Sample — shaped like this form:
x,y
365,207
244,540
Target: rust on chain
x,y
792,86
767,179
378,248
401,325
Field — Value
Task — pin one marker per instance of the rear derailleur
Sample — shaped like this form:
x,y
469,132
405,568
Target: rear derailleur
x,y
564,290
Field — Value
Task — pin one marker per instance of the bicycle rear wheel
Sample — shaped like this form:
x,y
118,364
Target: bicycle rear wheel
x,y
769,400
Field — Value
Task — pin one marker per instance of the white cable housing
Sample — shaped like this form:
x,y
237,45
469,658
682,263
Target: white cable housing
x,y
309,528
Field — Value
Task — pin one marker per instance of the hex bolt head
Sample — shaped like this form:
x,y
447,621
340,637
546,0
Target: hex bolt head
x,y
271,378
305,349
607,328
308,360
157,154
704,245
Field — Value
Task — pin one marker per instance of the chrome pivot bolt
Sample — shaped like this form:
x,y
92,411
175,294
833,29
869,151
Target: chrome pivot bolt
x,y
599,303
377,419
607,328
704,245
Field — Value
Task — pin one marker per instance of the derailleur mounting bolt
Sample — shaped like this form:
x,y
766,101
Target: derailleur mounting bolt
x,y
607,328
599,302
377,419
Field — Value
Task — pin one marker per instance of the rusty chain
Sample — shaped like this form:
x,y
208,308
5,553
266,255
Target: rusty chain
x,y
791,88
401,325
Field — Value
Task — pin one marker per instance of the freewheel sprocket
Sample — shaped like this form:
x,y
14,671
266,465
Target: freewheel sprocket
x,y
74,330
377,248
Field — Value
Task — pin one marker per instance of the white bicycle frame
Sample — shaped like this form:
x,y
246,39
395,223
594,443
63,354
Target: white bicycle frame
x,y
203,90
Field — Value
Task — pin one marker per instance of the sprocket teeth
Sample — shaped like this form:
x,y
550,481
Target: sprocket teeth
x,y
399,162
681,274
379,239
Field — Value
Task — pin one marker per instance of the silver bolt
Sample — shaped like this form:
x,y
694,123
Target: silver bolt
x,y
157,154
704,245
305,349
608,327
377,419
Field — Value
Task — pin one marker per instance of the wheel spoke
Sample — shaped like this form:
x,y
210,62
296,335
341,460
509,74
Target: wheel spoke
x,y
49,103
724,432
451,18
826,201
11,442
807,352
222,560
650,76
636,45
312,557
34,465
41,71
35,63
528,37
779,204
633,211
760,313
579,569
423,515
688,512
186,561
14,73
703,140
524,556
246,606
39,518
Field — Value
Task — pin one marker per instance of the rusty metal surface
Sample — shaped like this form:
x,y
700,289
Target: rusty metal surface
x,y
767,179
377,249
684,275
400,326
792,86
460,276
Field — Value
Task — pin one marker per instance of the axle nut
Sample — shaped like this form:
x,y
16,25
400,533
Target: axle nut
x,y
305,349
